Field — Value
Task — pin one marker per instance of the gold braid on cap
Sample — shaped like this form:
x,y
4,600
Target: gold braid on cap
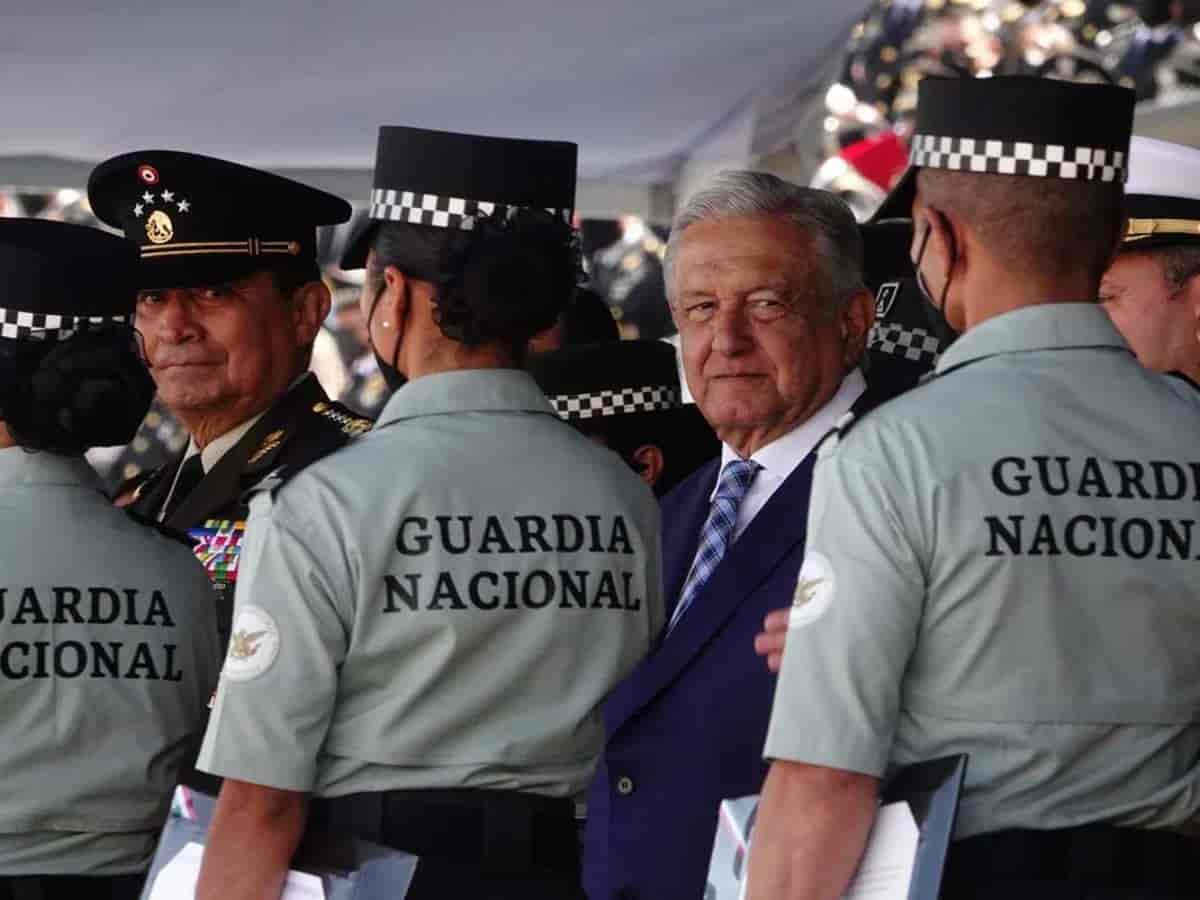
x,y
1140,229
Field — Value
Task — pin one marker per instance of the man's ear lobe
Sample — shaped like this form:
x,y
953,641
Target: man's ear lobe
x,y
857,318
311,303
650,462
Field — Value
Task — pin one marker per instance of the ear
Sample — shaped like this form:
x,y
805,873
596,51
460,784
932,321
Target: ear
x,y
948,235
1191,296
310,306
649,462
857,317
383,314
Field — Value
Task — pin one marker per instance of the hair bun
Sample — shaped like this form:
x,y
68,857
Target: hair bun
x,y
91,390
510,280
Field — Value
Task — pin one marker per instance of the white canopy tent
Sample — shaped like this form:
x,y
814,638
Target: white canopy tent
x,y
655,93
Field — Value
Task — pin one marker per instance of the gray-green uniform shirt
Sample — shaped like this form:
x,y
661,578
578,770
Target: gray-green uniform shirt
x,y
1003,563
108,657
445,603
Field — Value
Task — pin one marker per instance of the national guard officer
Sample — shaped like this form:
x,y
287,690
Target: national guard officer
x,y
108,641
625,395
1152,289
231,301
994,555
427,623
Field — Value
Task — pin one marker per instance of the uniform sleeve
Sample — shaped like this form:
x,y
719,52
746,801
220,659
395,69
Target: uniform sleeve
x,y
279,683
854,622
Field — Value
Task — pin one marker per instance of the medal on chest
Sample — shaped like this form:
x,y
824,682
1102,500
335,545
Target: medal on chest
x,y
218,547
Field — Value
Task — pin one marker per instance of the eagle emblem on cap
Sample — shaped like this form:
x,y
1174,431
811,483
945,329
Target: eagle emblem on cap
x,y
159,228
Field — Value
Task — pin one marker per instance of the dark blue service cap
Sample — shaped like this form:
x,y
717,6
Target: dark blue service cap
x,y
441,179
198,220
60,279
1016,125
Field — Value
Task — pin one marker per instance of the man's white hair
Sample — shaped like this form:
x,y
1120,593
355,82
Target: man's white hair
x,y
823,215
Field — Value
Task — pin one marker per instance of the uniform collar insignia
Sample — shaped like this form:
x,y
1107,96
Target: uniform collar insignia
x,y
270,444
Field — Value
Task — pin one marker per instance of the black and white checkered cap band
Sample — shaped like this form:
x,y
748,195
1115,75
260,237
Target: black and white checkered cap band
x,y
913,344
19,325
441,212
616,403
1019,158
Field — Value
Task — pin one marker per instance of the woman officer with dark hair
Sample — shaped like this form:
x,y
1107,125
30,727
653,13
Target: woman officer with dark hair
x,y
439,611
108,644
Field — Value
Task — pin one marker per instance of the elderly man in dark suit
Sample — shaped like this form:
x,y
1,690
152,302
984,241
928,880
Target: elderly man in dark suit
x,y
765,285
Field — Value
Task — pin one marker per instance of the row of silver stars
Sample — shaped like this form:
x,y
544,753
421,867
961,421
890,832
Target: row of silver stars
x,y
167,197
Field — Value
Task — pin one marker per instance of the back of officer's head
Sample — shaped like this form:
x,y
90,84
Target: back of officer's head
x,y
496,285
71,372
1052,228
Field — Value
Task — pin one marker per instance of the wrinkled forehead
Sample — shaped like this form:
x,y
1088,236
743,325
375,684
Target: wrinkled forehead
x,y
743,253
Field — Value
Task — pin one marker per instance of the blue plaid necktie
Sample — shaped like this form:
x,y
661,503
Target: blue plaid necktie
x,y
736,478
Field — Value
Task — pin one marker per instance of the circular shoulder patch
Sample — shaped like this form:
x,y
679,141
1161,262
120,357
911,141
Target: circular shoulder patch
x,y
814,590
253,645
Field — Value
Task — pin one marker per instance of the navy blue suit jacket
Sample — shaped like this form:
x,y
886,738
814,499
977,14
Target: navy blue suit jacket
x,y
686,729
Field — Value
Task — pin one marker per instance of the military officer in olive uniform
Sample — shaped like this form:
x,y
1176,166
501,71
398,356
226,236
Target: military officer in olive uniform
x,y
1002,561
428,623
108,640
230,303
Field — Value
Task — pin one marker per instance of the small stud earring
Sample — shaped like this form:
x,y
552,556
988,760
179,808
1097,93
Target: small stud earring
x,y
387,324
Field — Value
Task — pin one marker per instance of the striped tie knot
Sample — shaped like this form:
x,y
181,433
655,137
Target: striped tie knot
x,y
736,478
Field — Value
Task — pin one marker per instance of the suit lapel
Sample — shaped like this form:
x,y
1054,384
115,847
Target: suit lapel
x,y
775,531
679,545
222,485
149,498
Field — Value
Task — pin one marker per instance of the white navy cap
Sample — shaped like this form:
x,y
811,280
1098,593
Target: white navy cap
x,y
1162,196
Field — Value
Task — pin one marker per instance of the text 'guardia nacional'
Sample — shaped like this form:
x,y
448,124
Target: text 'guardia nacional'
x,y
77,653
1176,486
602,585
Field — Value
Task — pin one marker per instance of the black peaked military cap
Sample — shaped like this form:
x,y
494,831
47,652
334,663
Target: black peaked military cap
x,y
613,378
1016,125
60,279
1162,197
440,179
199,220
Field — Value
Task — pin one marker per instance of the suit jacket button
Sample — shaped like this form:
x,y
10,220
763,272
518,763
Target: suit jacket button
x,y
624,785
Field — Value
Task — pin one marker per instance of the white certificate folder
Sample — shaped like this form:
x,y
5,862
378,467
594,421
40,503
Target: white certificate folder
x,y
906,852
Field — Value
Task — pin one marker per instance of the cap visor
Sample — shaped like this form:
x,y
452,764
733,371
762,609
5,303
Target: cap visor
x,y
355,254
898,204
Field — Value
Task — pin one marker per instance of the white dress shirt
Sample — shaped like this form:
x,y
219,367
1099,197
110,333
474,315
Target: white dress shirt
x,y
780,457
211,454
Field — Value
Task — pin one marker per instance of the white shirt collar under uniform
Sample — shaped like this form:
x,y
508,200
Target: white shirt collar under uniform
x,y
218,447
780,458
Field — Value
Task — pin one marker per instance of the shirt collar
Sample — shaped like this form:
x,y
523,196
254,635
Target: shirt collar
x,y
467,390
215,449
1050,326
780,457
18,466
218,447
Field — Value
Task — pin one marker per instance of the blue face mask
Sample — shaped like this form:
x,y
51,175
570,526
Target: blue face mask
x,y
935,311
